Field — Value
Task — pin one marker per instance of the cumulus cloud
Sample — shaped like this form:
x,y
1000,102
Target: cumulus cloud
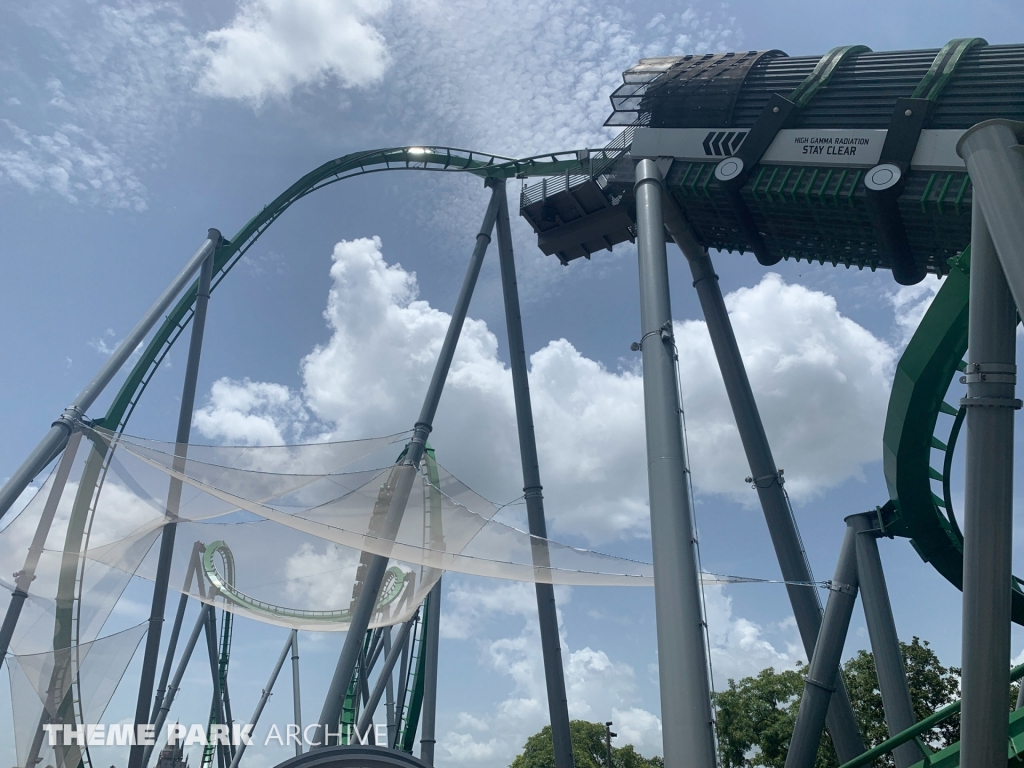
x,y
816,374
909,304
494,737
251,413
272,47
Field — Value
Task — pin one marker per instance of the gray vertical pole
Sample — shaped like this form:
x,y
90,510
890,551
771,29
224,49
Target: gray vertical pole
x,y
163,569
218,693
402,477
403,682
824,666
988,505
842,725
54,440
558,709
23,579
995,161
389,690
172,689
385,674
885,645
428,719
289,645
682,661
296,697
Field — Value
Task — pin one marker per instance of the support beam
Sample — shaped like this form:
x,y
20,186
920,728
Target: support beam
x,y
885,644
682,661
296,697
395,651
23,579
994,158
172,689
402,479
431,643
554,677
824,666
167,534
389,692
842,726
288,646
54,440
988,503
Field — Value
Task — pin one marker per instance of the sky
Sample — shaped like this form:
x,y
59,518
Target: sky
x,y
128,129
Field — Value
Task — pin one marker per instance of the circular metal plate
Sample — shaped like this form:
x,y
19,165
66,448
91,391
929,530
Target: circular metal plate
x,y
729,168
882,177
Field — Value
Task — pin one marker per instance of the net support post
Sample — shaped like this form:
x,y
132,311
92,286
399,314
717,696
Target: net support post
x,y
296,694
289,646
766,477
688,737
403,478
554,676
988,501
179,673
54,440
885,644
23,579
167,534
390,659
432,641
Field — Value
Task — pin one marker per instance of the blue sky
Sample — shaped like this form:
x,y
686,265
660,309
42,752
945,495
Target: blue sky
x,y
128,129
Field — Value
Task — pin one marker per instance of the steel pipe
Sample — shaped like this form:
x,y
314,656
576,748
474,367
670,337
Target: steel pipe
x,y
682,661
547,614
403,478
767,479
54,440
988,502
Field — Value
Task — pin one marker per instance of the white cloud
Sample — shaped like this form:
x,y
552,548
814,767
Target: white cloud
x,y
251,413
816,374
597,687
821,382
119,99
910,303
273,47
740,647
71,163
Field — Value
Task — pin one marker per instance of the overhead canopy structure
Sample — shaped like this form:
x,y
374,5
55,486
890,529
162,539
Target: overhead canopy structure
x,y
848,158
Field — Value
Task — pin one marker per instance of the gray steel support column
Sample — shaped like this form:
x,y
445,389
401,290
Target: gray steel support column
x,y
389,690
995,160
23,579
824,666
682,661
296,697
385,674
288,646
988,504
842,725
163,568
217,700
172,689
885,644
554,677
403,476
428,718
54,440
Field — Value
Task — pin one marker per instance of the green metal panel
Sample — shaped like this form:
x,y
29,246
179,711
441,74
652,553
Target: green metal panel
x,y
823,72
944,66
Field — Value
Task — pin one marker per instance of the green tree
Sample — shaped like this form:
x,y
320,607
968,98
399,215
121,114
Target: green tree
x,y
588,750
756,716
932,686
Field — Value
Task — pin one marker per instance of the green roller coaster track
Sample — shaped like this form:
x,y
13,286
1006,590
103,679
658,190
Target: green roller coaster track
x,y
923,375
422,158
